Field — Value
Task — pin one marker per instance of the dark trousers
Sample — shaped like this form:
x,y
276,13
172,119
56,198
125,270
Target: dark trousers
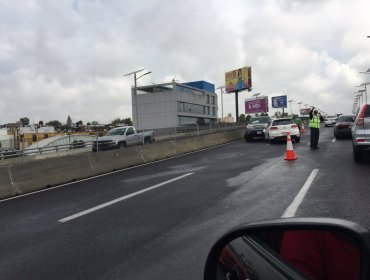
x,y
315,133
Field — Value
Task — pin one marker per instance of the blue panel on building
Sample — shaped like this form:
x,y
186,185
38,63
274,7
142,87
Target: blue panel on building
x,y
202,85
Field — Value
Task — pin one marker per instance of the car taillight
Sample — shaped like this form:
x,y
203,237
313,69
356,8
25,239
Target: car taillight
x,y
360,120
360,140
294,126
274,128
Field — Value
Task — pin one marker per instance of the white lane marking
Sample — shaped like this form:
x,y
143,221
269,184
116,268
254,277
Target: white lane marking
x,y
291,210
113,172
334,140
106,204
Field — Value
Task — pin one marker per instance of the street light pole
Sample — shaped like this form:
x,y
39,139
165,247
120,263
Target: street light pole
x,y
222,102
290,104
135,93
299,103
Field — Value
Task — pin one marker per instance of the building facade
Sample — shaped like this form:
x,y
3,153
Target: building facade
x,y
174,104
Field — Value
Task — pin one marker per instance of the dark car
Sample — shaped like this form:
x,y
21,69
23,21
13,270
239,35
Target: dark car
x,y
255,128
343,126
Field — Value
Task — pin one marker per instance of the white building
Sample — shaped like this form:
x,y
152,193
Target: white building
x,y
6,140
174,104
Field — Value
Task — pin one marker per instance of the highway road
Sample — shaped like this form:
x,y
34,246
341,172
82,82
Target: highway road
x,y
158,221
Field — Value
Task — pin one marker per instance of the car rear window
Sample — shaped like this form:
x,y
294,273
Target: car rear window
x,y
346,119
259,120
282,122
367,111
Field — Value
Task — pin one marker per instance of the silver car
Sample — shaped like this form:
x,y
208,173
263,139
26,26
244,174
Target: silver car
x,y
361,133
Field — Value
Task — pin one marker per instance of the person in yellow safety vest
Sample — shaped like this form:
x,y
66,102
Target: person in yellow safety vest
x,y
315,121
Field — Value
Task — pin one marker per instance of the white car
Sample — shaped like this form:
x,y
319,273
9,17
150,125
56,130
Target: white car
x,y
330,121
278,129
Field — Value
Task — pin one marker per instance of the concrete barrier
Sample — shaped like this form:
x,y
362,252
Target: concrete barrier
x,y
32,173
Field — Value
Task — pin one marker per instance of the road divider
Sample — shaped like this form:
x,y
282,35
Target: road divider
x,y
30,173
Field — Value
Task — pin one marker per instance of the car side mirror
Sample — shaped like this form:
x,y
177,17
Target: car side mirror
x,y
295,248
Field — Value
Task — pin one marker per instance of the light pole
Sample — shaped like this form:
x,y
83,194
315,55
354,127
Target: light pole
x,y
364,85
135,93
257,94
299,104
222,101
290,104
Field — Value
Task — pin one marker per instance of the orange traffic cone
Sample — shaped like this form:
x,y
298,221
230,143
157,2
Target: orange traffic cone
x,y
302,129
290,154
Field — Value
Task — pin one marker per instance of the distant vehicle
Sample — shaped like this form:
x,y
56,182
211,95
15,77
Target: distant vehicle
x,y
361,133
278,130
343,126
330,121
121,137
255,128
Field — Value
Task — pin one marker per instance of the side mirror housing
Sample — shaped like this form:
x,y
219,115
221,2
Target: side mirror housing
x,y
294,248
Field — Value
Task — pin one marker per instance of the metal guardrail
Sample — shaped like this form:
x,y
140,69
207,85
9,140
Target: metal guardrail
x,y
160,135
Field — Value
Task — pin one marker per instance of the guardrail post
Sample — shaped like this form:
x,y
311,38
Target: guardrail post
x,y
210,128
198,129
175,132
97,143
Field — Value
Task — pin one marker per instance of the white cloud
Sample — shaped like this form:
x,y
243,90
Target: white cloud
x,y
68,58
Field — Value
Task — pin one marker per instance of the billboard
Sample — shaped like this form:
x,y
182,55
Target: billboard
x,y
239,79
305,111
259,105
279,101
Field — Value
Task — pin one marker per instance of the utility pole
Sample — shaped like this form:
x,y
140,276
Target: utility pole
x,y
222,102
135,93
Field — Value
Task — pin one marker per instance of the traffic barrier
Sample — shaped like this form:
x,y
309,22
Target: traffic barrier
x,y
31,173
302,129
290,154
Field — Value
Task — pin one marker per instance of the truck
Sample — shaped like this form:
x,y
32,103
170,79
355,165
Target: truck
x,y
122,137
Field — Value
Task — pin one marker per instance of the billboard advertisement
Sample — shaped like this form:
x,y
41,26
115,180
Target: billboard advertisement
x,y
239,79
305,111
279,101
259,105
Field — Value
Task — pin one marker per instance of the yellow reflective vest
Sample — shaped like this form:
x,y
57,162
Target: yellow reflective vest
x,y
315,122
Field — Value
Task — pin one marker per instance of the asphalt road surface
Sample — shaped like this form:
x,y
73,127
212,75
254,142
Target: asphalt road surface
x,y
158,221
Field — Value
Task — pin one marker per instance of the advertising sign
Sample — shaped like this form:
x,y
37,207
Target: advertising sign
x,y
259,105
279,101
238,80
305,111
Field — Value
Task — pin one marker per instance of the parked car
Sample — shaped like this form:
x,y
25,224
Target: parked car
x,y
255,128
343,126
120,137
361,133
278,130
330,121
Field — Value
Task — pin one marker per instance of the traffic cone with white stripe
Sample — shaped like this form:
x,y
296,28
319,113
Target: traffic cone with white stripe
x,y
290,154
302,129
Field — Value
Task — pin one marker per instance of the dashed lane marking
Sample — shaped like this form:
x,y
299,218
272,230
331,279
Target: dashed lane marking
x,y
114,201
291,210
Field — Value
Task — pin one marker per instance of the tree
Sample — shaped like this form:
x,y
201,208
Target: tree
x,y
55,124
24,121
94,123
69,121
89,123
41,123
119,121
242,118
79,123
127,121
248,118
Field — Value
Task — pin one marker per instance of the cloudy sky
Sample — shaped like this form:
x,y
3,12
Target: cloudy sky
x,y
60,58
